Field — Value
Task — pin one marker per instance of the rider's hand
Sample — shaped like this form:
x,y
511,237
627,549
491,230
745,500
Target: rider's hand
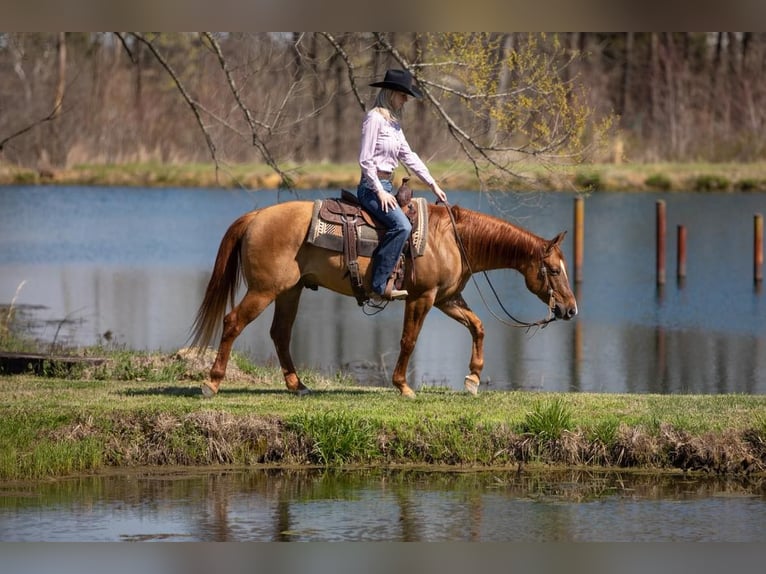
x,y
439,193
387,201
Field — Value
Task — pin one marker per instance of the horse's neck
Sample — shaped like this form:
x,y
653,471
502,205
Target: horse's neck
x,y
492,243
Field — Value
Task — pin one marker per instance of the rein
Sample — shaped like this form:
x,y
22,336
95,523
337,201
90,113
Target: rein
x,y
542,323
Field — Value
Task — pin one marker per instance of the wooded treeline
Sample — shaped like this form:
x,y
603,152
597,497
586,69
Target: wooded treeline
x,y
74,98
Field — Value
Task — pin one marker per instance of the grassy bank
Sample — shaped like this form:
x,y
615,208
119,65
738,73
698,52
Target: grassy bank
x,y
451,175
137,410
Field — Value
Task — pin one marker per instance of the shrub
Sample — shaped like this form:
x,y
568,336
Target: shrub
x,y
710,183
750,184
658,181
605,431
25,177
548,420
336,438
590,181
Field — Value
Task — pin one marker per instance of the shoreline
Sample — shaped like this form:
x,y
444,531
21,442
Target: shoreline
x,y
728,177
146,410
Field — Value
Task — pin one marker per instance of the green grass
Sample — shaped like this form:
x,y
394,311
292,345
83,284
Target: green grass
x,y
142,409
335,438
548,420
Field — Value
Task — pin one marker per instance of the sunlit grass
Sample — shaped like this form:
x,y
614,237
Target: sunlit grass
x,y
452,174
548,420
144,409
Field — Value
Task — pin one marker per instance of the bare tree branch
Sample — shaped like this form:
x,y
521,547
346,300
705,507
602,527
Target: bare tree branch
x,y
58,100
125,47
181,88
49,118
61,80
257,141
467,143
517,101
349,66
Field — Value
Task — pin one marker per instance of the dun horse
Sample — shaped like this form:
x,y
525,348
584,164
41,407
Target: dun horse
x,y
269,248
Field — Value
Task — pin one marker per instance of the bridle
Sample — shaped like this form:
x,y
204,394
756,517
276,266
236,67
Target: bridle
x,y
542,323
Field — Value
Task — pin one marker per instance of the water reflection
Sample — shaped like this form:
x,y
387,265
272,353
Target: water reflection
x,y
131,266
375,505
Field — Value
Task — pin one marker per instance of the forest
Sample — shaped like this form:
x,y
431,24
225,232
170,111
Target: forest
x,y
493,98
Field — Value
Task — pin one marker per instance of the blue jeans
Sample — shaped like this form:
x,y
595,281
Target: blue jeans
x,y
398,228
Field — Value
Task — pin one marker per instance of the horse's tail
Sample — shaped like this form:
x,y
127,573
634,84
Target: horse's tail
x,y
223,284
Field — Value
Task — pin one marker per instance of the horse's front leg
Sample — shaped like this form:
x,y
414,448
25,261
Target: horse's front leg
x,y
457,308
415,312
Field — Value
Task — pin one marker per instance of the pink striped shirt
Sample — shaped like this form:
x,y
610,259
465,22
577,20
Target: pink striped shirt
x,y
383,147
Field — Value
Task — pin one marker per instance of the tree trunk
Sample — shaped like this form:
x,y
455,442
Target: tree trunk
x,y
53,153
314,139
654,93
627,77
298,74
338,111
61,81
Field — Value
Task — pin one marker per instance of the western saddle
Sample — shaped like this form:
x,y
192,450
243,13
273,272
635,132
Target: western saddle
x,y
347,213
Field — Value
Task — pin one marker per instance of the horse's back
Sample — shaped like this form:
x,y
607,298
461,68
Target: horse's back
x,y
277,213
281,224
276,253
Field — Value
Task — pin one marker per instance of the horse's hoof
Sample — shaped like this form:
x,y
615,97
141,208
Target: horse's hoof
x,y
208,391
298,388
407,392
471,384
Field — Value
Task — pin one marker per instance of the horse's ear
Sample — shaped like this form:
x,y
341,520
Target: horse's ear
x,y
555,241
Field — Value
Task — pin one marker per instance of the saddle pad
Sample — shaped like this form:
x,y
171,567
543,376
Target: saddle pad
x,y
330,235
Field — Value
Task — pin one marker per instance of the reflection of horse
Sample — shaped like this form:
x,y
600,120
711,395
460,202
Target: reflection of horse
x,y
269,248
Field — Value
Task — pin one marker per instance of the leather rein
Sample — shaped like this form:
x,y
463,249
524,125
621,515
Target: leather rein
x,y
542,323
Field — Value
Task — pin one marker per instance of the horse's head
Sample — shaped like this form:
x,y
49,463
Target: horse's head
x,y
548,279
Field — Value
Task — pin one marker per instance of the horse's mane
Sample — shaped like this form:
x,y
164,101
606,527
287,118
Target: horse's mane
x,y
489,239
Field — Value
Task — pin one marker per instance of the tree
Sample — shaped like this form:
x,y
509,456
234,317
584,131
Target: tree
x,y
28,123
502,100
521,105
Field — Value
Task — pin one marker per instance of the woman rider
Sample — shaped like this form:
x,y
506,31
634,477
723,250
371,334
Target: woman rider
x,y
383,146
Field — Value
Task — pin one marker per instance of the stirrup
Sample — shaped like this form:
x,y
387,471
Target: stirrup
x,y
396,294
380,301
391,293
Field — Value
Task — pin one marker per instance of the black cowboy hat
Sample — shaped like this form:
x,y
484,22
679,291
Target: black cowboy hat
x,y
400,81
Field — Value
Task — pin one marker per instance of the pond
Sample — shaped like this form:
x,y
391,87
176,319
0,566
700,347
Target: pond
x,y
128,267
238,505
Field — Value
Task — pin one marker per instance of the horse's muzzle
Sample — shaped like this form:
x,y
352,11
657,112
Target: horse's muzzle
x,y
564,312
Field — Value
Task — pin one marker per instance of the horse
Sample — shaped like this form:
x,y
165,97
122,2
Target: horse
x,y
269,248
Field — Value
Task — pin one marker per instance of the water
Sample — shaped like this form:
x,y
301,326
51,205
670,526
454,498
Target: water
x,y
129,266
284,505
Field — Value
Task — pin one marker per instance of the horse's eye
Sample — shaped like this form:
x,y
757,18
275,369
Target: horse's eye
x,y
554,270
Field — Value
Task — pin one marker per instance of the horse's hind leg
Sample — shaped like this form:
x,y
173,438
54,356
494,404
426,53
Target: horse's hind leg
x,y
458,310
285,310
249,308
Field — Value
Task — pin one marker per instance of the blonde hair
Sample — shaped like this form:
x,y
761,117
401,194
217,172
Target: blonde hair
x,y
383,103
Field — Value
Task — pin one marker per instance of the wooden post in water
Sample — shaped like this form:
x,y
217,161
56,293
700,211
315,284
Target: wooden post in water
x,y
681,258
661,242
579,237
758,248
